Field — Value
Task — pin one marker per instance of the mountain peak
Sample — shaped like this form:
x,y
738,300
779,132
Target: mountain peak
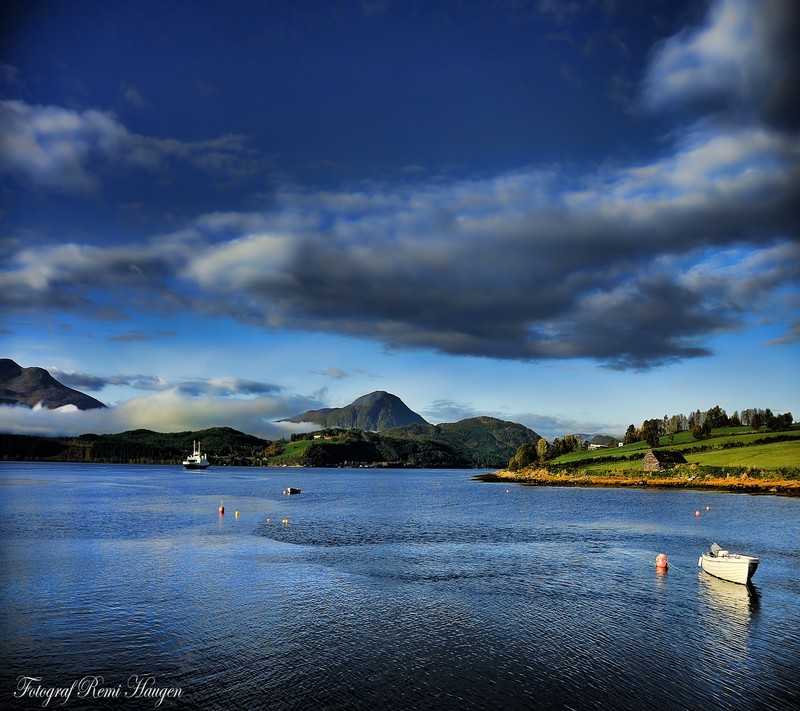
x,y
373,412
32,386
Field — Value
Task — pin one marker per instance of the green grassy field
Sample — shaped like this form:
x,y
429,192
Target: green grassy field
x,y
291,452
778,455
726,447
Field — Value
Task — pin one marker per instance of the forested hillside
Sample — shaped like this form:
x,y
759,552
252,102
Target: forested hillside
x,y
480,442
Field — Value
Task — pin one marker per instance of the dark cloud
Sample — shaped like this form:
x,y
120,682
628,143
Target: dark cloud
x,y
524,266
225,387
628,265
78,381
218,387
527,266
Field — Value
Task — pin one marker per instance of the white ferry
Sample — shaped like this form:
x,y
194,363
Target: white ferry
x,y
196,460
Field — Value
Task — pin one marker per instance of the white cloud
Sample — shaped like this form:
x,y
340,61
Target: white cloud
x,y
132,96
66,150
166,411
743,59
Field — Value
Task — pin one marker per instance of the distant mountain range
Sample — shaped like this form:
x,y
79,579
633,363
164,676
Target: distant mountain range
x,y
477,441
35,386
372,413
472,443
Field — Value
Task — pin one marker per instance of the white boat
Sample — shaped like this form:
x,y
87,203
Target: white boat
x,y
734,567
196,460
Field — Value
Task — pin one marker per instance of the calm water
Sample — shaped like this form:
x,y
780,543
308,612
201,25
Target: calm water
x,y
390,590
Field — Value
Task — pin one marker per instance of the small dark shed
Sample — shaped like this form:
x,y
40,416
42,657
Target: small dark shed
x,y
657,460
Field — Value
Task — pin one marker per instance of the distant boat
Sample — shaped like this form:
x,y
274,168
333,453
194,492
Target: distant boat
x,y
196,460
291,490
734,567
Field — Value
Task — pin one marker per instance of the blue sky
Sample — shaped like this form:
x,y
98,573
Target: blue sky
x,y
576,216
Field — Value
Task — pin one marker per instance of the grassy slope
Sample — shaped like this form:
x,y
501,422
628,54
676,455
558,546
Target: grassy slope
x,y
735,447
783,455
292,452
734,459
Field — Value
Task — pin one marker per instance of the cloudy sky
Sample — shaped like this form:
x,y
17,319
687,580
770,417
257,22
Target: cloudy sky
x,y
574,215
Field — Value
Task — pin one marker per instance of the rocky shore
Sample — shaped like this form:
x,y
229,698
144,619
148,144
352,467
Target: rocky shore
x,y
742,484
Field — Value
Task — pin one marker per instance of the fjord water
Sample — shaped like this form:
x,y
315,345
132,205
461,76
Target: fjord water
x,y
390,590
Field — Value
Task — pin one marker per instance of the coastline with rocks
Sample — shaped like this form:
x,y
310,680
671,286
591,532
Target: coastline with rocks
x,y
741,484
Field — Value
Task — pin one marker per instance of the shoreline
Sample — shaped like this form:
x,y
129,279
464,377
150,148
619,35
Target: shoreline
x,y
734,485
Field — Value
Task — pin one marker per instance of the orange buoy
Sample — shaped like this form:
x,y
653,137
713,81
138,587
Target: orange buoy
x,y
708,508
661,561
696,513
221,509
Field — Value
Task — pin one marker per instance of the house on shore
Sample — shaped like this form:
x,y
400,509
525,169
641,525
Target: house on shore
x,y
659,460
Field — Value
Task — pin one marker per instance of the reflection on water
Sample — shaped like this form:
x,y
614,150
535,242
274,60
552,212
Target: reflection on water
x,y
729,609
392,590
734,601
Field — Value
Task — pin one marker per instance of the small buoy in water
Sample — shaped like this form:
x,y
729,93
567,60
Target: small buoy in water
x,y
661,561
708,508
285,521
236,513
696,513
267,519
221,509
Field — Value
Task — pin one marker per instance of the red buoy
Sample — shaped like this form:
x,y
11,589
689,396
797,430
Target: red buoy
x,y
221,509
661,561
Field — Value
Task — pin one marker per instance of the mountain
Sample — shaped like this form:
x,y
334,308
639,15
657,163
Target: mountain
x,y
480,441
601,439
372,413
34,386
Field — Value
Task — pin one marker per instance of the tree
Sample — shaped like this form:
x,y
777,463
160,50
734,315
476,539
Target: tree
x,y
541,448
651,432
630,435
526,455
670,427
716,417
701,431
780,423
572,443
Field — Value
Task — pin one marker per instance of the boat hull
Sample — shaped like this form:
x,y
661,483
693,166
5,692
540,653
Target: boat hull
x,y
734,568
195,466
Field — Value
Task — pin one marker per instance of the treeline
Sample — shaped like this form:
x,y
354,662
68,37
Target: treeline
x,y
480,442
226,445
651,431
700,424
